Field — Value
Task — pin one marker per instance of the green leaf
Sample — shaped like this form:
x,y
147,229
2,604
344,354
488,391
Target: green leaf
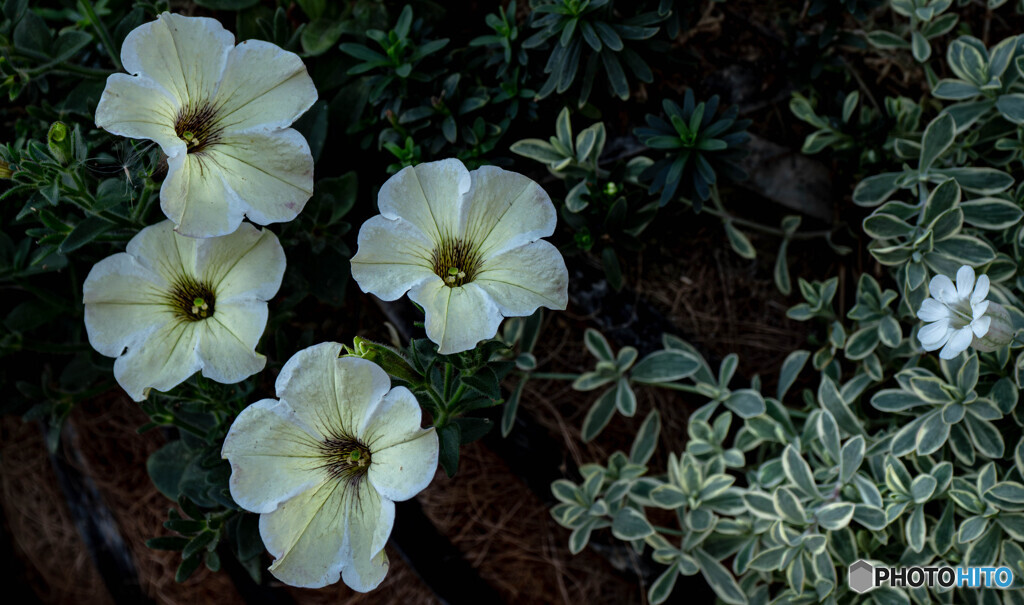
x,y
187,568
746,403
664,366
850,458
835,516
630,524
719,578
599,415
739,241
788,506
791,368
799,472
886,40
538,150
938,137
167,543
508,415
920,47
625,399
862,343
449,437
916,532
884,226
781,270
598,345
991,213
874,190
831,400
166,467
662,587
922,488
646,439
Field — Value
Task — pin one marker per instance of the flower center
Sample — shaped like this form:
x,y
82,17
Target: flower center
x,y
456,262
345,458
192,300
960,314
197,126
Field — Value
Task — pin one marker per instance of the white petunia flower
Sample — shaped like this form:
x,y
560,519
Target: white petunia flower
x,y
324,465
221,114
466,247
956,314
172,305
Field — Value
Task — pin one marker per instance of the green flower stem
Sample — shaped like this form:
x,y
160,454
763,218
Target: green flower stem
x,y
723,214
448,371
101,29
188,426
457,396
675,386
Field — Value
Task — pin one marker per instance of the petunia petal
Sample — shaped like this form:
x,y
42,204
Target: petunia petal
x,y
981,325
428,195
161,250
958,343
370,520
524,278
403,470
195,197
393,256
932,310
980,290
306,535
942,289
273,456
282,92
245,265
964,281
504,210
138,108
228,339
124,303
456,318
162,360
271,173
184,55
332,395
934,335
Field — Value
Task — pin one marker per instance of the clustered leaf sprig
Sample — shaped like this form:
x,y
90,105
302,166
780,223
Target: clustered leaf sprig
x,y
587,36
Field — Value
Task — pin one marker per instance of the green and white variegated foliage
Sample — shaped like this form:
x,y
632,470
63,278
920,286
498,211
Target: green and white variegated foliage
x,y
889,454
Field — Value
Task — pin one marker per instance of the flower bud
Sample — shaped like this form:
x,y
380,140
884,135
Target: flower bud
x,y
387,358
5,170
59,141
1000,330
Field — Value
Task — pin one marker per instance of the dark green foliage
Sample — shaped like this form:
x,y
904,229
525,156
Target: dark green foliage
x,y
698,145
587,37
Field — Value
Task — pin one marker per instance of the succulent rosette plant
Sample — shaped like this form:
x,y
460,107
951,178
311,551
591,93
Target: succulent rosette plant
x,y
221,113
172,305
324,464
466,247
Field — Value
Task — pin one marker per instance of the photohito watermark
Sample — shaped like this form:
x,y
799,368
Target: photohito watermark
x,y
865,576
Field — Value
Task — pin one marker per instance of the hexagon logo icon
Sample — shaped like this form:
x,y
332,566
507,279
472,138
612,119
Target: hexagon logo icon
x,y
862,576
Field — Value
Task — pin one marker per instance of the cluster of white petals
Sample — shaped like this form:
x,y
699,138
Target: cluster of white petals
x,y
171,305
221,113
466,247
324,464
956,313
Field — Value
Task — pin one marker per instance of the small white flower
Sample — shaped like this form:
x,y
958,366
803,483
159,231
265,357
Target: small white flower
x,y
325,464
466,247
172,305
957,314
220,113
